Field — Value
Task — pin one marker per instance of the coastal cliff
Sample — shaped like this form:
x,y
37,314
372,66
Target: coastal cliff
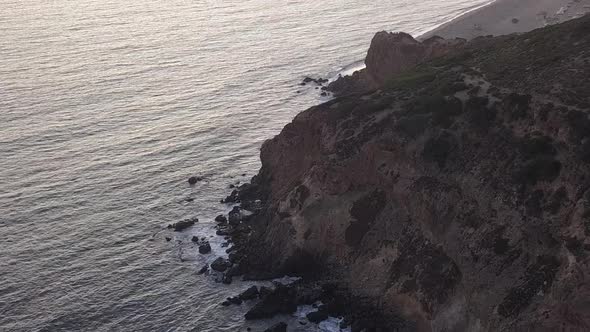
x,y
452,194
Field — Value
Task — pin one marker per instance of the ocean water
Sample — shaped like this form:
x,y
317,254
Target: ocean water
x,y
108,106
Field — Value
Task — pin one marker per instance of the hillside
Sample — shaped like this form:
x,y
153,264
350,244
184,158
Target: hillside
x,y
453,196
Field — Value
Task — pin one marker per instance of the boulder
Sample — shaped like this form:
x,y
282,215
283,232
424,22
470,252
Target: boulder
x,y
182,225
220,264
222,232
221,219
205,248
194,179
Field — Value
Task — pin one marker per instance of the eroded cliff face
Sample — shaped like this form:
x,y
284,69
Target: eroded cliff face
x,y
390,54
457,196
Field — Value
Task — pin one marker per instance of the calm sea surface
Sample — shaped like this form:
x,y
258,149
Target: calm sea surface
x,y
108,106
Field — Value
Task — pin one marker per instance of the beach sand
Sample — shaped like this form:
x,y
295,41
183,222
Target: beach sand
x,y
511,16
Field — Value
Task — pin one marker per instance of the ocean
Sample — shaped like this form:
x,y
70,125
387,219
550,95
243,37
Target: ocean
x,y
107,107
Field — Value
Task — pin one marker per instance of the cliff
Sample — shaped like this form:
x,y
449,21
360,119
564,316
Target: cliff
x,y
454,197
390,54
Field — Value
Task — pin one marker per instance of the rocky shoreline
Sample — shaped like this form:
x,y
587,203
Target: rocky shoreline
x,y
452,195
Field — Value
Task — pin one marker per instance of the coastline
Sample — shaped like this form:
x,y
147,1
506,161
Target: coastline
x,y
496,18
260,189
373,230
503,17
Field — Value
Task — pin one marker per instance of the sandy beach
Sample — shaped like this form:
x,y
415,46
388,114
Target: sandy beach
x,y
511,16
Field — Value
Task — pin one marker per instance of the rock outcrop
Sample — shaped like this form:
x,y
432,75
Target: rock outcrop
x,y
389,55
454,198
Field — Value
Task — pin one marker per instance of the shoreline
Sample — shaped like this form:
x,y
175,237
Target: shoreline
x,y
335,219
496,18
259,190
502,17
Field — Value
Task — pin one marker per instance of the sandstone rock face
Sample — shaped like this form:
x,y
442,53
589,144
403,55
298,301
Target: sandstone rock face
x,y
389,55
457,200
393,53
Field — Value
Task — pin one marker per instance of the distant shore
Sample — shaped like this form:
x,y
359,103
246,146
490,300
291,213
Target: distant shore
x,y
503,17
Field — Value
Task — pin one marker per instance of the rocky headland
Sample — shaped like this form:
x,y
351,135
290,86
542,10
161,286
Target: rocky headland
x,y
452,193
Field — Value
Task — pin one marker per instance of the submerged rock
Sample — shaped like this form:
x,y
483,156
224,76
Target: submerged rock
x,y
204,269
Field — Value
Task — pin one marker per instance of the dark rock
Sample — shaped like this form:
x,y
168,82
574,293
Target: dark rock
x,y
234,271
308,80
189,199
220,264
168,239
226,303
323,94
195,239
222,232
234,300
182,225
250,293
227,279
234,257
194,179
279,327
232,198
204,269
264,291
317,316
281,301
205,248
221,219
235,216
